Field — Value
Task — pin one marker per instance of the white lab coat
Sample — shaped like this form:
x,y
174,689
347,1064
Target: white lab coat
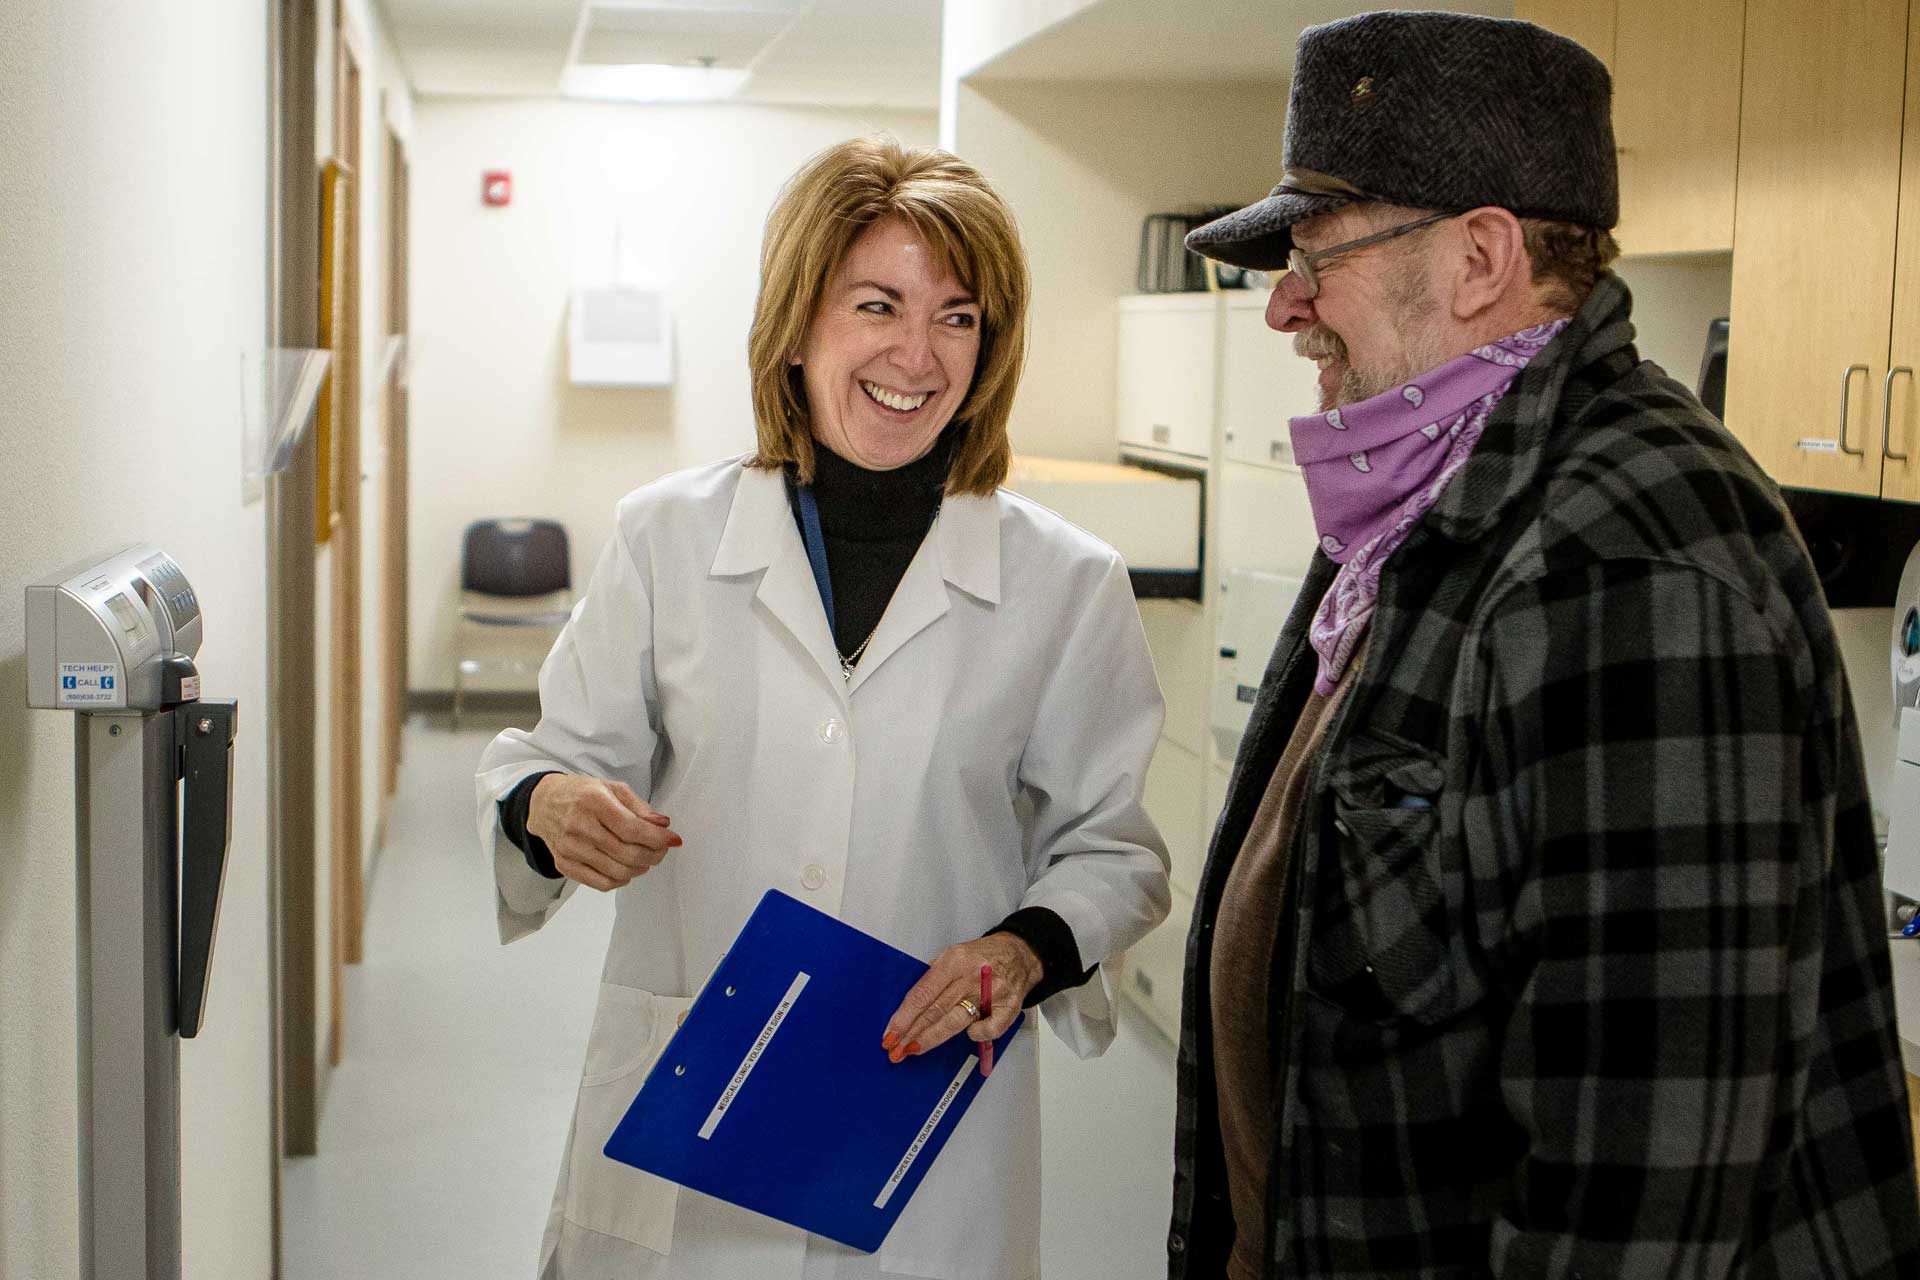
x,y
988,754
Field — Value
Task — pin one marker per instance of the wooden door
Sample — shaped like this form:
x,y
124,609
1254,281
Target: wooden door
x,y
1822,90
1899,434
1589,22
393,569
1676,123
345,684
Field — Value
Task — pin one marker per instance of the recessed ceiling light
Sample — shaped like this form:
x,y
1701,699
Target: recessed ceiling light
x,y
651,82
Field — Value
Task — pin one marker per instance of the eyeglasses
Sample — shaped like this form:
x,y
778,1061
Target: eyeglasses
x,y
1307,265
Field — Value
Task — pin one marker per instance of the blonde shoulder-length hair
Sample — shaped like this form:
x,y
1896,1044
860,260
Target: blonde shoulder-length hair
x,y
822,210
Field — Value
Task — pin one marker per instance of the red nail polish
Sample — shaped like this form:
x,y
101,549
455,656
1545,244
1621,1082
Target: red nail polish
x,y
675,842
889,1040
914,1048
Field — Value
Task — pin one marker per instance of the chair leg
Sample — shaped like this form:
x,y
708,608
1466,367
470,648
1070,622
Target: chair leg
x,y
459,688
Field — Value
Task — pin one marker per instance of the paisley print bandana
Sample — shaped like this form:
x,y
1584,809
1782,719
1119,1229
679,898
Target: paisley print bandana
x,y
1373,469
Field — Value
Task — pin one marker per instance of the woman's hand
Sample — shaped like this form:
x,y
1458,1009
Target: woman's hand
x,y
600,833
932,1014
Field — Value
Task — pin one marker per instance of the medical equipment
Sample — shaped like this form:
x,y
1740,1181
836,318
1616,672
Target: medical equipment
x,y
113,640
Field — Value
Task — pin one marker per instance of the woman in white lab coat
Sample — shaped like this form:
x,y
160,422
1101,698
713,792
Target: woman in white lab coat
x,y
852,668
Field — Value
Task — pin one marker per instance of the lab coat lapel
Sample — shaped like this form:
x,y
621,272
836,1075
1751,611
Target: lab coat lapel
x,y
963,550
760,534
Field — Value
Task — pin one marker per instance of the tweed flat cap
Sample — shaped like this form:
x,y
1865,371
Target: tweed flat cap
x,y
1435,111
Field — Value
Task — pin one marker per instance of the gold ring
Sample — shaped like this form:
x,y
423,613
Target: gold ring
x,y
973,1010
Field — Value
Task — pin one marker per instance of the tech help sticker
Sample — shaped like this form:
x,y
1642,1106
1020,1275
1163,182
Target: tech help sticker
x,y
90,684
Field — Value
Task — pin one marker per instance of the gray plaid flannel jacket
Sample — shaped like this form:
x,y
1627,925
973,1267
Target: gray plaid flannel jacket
x,y
1585,970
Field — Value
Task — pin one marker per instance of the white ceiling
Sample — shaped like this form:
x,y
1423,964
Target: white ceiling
x,y
1184,41
860,53
849,53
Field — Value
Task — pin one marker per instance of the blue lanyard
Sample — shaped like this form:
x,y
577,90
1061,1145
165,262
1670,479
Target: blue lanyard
x,y
816,548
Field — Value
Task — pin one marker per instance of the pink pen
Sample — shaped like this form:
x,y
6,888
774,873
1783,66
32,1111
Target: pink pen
x,y
986,1008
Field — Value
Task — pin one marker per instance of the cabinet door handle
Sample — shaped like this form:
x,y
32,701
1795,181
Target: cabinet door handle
x,y
1846,395
1886,412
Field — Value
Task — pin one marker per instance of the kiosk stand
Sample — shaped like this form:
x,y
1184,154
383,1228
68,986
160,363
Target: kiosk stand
x,y
113,640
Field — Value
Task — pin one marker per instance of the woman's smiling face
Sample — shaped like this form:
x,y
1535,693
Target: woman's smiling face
x,y
890,352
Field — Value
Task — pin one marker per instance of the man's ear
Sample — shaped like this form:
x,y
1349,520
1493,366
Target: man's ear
x,y
1492,262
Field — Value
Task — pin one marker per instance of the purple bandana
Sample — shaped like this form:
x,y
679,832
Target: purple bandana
x,y
1375,467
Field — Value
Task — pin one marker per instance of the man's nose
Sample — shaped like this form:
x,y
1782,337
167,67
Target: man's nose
x,y
1289,309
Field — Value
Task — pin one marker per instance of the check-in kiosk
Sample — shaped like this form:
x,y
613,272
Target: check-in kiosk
x,y
113,640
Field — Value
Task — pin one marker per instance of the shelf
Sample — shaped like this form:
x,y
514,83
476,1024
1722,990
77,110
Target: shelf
x,y
1150,518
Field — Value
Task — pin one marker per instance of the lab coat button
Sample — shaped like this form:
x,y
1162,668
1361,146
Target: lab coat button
x,y
813,876
832,731
1176,1244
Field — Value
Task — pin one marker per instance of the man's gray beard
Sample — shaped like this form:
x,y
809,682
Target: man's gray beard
x,y
1364,384
1412,306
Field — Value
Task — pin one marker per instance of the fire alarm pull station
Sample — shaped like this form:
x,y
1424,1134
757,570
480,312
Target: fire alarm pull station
x,y
113,640
496,187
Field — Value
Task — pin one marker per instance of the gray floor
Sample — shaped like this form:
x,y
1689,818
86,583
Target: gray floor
x,y
443,1125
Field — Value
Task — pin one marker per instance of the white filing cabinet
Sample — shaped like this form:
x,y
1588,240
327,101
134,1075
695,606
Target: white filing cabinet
x,y
1167,370
1150,518
1180,635
1264,384
1174,791
1252,616
1202,379
1156,967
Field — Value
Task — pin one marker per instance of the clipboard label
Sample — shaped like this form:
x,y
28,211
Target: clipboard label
x,y
926,1131
748,1063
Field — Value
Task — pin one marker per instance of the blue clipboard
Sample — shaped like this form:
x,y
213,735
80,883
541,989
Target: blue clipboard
x,y
775,1094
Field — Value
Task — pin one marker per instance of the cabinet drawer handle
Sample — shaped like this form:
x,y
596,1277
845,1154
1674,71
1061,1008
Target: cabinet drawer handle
x,y
1846,395
1886,413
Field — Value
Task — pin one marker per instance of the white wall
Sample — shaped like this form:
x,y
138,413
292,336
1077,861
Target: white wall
x,y
386,105
1673,300
132,196
1082,165
497,429
973,32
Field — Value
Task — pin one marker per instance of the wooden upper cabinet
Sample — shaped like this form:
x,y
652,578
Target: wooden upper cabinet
x,y
1822,91
1676,122
1900,399
1588,22
1676,111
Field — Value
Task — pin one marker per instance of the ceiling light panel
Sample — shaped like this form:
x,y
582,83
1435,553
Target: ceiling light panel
x,y
689,32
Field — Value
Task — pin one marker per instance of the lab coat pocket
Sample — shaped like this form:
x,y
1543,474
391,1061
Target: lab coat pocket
x,y
1382,930
631,1028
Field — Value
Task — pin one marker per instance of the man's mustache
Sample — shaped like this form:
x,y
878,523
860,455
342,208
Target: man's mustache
x,y
1318,342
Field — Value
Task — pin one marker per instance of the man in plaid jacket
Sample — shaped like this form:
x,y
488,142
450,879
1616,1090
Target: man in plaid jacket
x,y
1542,933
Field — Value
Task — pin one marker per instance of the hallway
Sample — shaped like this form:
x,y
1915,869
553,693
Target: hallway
x,y
444,1123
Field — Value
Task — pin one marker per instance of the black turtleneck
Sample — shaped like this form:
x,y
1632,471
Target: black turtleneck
x,y
872,523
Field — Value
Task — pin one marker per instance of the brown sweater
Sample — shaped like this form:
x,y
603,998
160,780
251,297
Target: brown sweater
x,y
1245,933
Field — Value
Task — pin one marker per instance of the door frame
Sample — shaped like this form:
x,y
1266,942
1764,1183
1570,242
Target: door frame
x,y
393,569
346,675
294,280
